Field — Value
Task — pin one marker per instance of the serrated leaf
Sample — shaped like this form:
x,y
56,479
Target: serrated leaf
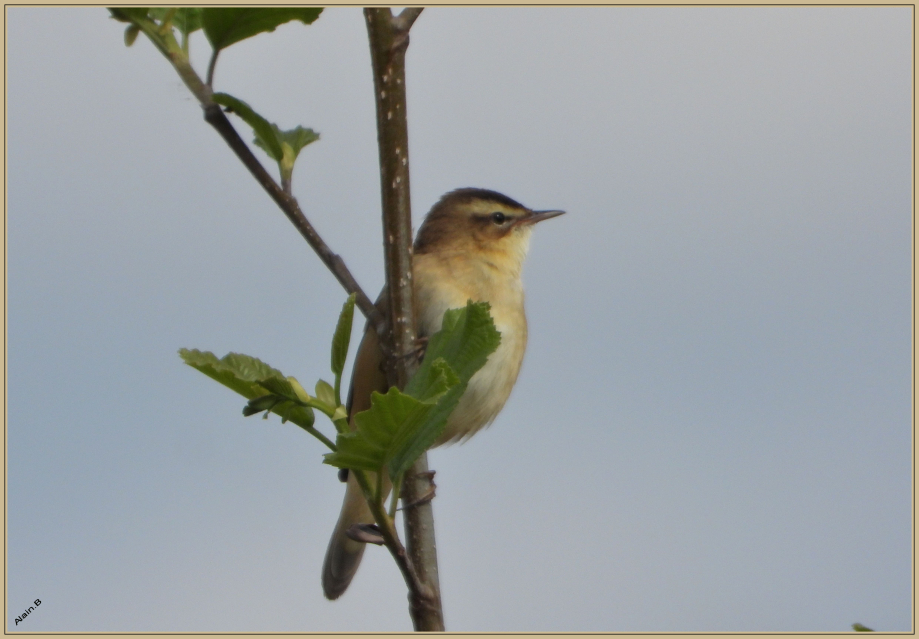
x,y
254,380
291,143
342,337
442,379
371,445
325,393
297,138
454,355
235,371
279,386
466,338
225,26
409,443
462,346
264,131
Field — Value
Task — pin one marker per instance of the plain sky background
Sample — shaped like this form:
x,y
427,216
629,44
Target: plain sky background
x,y
712,430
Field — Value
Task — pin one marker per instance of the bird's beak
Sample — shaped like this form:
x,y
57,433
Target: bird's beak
x,y
539,216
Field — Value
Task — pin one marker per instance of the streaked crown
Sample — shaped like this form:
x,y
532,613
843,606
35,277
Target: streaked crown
x,y
473,219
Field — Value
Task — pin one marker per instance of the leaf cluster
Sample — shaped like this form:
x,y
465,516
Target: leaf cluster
x,y
269,391
281,146
223,27
266,388
399,426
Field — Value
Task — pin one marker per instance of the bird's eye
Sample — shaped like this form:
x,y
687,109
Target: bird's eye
x,y
498,217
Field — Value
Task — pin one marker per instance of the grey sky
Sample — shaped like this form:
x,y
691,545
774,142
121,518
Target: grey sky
x,y
712,428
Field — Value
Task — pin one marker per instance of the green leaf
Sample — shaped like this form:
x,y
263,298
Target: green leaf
x,y
325,393
129,14
260,404
400,426
857,627
159,14
130,34
298,389
264,147
441,378
263,130
370,446
237,372
291,143
224,26
297,138
140,17
187,20
342,338
409,443
466,338
255,380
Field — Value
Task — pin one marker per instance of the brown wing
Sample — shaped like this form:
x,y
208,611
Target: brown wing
x,y
344,555
368,375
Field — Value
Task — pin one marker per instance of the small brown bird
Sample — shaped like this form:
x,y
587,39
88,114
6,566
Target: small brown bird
x,y
471,246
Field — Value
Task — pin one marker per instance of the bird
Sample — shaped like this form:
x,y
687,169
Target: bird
x,y
470,246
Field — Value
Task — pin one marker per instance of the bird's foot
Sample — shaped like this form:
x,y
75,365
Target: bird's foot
x,y
428,496
421,345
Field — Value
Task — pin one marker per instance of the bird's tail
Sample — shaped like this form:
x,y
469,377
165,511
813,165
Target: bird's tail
x,y
343,556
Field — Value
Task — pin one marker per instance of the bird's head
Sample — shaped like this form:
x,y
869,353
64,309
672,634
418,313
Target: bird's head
x,y
480,222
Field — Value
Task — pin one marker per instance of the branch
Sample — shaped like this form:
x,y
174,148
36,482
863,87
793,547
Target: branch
x,y
421,595
404,21
210,68
387,51
388,43
287,203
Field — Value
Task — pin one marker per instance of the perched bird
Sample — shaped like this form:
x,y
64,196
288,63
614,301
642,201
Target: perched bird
x,y
471,246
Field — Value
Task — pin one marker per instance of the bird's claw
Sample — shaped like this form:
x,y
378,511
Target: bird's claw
x,y
421,345
428,496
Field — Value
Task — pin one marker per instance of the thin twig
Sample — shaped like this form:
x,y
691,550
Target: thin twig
x,y
288,204
210,68
420,595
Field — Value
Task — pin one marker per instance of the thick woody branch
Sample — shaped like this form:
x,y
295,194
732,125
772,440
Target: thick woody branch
x,y
387,51
388,43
